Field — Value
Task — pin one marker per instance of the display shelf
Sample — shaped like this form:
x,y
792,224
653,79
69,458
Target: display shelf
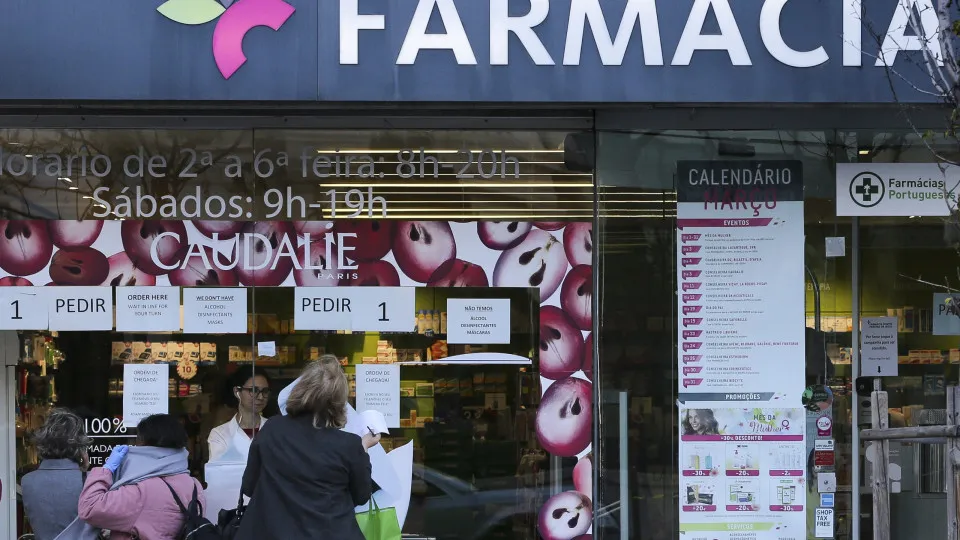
x,y
467,363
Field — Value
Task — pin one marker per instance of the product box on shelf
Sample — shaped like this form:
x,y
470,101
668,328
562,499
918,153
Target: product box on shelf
x,y
191,350
443,385
175,350
142,352
924,356
208,353
160,353
409,355
240,353
121,352
425,390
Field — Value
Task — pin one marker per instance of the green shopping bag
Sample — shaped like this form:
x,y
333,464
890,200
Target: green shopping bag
x,y
377,524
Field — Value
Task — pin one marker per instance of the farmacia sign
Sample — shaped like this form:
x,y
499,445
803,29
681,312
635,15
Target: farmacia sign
x,y
590,24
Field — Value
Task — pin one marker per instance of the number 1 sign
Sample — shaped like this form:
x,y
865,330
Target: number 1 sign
x,y
23,308
364,309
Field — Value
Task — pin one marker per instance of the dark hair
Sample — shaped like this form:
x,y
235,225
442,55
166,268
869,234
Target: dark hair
x,y
709,424
239,378
62,436
162,430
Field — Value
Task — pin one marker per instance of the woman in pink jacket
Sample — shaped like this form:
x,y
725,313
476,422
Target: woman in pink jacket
x,y
129,495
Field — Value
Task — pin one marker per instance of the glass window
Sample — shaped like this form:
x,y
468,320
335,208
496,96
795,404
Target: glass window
x,y
908,270
639,455
499,222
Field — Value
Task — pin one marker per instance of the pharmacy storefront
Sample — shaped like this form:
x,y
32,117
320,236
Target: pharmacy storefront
x,y
587,259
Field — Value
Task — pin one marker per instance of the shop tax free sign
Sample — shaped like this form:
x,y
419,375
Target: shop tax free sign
x,y
587,20
522,50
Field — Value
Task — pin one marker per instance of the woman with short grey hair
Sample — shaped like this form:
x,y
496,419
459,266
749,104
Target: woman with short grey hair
x,y
51,493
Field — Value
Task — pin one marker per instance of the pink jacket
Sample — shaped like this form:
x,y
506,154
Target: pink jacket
x,y
146,510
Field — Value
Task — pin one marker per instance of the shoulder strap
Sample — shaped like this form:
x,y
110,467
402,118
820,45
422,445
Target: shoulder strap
x,y
196,500
176,497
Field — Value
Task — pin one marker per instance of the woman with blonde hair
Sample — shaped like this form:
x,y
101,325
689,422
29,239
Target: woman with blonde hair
x,y
305,475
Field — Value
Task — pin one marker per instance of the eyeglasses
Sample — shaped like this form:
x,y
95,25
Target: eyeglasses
x,y
258,392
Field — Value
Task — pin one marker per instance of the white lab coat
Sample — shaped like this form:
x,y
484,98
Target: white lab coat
x,y
229,448
229,436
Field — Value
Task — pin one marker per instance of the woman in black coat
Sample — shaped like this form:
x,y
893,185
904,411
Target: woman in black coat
x,y
304,475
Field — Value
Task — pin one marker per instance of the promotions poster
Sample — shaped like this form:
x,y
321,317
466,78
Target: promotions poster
x,y
740,336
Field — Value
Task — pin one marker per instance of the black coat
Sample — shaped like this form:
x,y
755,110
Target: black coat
x,y
304,482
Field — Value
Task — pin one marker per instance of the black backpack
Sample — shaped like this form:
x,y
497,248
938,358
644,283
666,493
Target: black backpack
x,y
195,526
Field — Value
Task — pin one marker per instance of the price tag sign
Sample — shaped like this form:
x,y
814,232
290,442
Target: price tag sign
x,y
23,308
365,309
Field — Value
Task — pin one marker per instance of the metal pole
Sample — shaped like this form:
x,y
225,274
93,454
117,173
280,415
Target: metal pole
x,y
816,297
624,468
855,372
948,464
598,401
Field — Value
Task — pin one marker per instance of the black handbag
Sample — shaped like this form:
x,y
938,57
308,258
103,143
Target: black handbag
x,y
228,521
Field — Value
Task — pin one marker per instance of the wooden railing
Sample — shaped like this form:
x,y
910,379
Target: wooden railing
x,y
881,433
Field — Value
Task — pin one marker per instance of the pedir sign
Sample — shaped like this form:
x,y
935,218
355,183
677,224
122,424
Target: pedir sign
x,y
711,51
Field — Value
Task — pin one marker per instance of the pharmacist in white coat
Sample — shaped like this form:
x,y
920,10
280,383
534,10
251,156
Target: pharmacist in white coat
x,y
229,443
251,389
382,472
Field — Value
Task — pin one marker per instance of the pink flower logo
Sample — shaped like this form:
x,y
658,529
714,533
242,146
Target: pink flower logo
x,y
235,19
